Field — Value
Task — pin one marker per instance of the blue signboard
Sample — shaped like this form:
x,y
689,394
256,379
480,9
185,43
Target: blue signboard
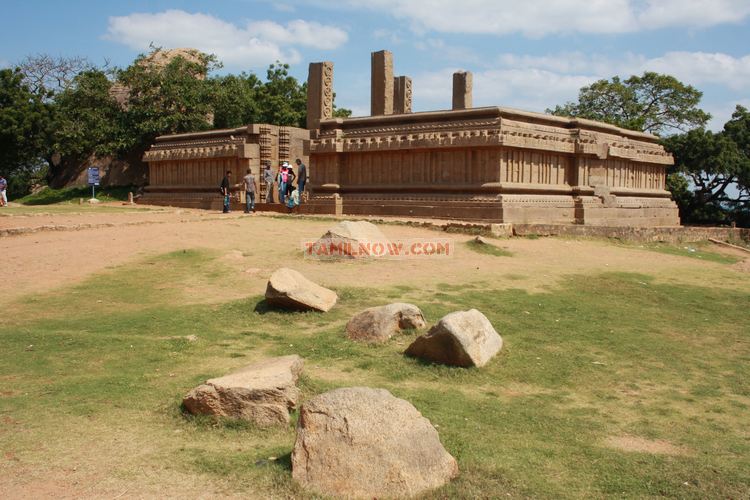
x,y
93,176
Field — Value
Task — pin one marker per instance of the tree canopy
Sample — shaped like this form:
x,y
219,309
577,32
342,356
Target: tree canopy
x,y
653,103
67,107
718,166
26,124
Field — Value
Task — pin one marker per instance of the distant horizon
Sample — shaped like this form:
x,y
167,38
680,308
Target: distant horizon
x,y
529,56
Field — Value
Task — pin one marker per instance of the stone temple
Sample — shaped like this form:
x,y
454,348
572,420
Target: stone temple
x,y
490,164
185,170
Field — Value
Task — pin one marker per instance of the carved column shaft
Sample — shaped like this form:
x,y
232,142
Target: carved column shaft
x,y
462,86
402,95
381,83
319,93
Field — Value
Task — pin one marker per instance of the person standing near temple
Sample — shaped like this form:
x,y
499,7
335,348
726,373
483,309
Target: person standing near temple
x,y
289,180
3,193
283,176
268,178
301,177
225,183
249,181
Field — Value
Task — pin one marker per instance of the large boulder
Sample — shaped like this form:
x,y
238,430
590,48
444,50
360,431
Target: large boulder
x,y
262,393
288,289
351,240
378,324
359,442
462,338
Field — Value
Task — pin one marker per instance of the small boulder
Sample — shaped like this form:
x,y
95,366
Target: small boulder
x,y
462,338
351,240
288,289
378,324
358,442
262,393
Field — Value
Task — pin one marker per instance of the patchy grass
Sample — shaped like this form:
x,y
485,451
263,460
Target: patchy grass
x,y
693,250
95,374
488,249
49,196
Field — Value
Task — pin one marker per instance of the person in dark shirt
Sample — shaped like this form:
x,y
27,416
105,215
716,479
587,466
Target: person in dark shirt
x,y
225,183
290,180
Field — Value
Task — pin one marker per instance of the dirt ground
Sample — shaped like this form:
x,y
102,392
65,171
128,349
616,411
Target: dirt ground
x,y
255,245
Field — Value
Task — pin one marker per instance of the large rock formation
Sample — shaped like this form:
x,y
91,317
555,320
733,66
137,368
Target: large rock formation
x,y
359,442
378,324
462,338
288,289
262,393
351,239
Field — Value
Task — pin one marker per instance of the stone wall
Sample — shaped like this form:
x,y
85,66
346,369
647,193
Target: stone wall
x,y
186,169
493,164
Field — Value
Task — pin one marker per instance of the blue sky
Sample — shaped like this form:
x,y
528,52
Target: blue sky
x,y
531,55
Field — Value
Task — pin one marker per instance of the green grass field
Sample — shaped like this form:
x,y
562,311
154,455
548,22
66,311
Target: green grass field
x,y
96,372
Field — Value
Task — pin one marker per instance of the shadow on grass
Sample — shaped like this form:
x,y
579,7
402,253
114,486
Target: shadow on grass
x,y
263,307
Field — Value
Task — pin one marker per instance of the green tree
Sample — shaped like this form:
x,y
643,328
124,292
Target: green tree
x,y
89,120
653,103
718,166
171,99
282,100
235,100
25,131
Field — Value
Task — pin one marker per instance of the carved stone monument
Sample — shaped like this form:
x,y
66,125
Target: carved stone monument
x,y
185,170
492,164
401,95
462,88
381,97
319,93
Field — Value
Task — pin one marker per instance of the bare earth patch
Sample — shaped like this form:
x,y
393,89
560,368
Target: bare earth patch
x,y
642,445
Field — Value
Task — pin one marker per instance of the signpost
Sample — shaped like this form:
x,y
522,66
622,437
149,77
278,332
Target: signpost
x,y
93,180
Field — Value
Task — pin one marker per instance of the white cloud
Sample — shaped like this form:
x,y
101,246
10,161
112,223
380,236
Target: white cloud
x,y
704,68
536,18
695,68
721,113
255,44
538,82
692,13
529,89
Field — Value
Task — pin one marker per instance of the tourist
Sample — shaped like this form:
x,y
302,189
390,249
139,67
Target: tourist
x,y
3,194
301,177
268,178
282,178
290,177
293,199
249,181
225,183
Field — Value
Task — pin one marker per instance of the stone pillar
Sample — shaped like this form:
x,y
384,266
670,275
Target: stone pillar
x,y
401,95
381,83
462,83
319,93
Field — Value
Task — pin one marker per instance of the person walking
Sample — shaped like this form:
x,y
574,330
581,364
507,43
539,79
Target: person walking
x,y
249,181
225,183
3,192
301,177
268,177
